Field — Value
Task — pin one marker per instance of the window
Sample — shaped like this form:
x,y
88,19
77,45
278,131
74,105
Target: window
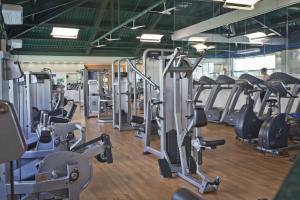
x,y
207,69
254,63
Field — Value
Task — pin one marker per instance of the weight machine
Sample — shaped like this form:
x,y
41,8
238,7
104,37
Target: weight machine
x,y
124,78
95,88
180,147
62,174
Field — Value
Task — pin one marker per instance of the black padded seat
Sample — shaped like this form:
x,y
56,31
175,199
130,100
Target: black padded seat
x,y
212,143
71,111
137,119
185,194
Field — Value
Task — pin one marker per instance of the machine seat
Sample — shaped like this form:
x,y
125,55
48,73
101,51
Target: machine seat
x,y
137,119
185,194
58,120
212,143
71,111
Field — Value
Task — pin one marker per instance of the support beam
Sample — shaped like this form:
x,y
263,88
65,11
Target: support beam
x,y
265,26
262,7
97,23
218,38
52,16
128,21
43,7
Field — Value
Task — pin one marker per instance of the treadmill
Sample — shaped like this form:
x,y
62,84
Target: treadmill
x,y
230,115
223,82
204,83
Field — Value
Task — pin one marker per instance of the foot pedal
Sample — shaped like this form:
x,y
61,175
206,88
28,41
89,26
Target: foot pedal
x,y
165,169
108,152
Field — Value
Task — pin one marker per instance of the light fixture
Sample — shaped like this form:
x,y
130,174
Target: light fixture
x,y
240,4
256,35
201,47
69,33
248,51
197,39
152,38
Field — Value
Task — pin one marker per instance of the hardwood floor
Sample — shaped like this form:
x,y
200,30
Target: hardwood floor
x,y
245,173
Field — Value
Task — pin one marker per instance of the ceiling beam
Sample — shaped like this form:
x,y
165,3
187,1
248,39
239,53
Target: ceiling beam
x,y
267,27
97,24
262,7
52,16
218,38
128,21
43,7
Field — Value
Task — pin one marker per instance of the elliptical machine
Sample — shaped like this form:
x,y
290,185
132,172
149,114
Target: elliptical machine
x,y
274,133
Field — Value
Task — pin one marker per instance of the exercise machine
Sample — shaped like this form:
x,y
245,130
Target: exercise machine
x,y
59,175
95,87
124,88
274,133
247,123
204,86
183,146
156,112
223,84
230,114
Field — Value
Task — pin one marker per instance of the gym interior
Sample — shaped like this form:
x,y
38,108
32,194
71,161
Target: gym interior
x,y
150,99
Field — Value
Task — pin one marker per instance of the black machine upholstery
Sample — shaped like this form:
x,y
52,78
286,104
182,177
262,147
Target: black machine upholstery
x,y
185,194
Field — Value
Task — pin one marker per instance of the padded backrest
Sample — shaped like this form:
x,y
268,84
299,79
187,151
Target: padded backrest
x,y
12,141
71,112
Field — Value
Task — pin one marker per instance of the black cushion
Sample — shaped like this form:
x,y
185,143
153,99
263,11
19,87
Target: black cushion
x,y
185,194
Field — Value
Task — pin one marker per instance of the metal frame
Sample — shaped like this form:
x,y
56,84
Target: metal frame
x,y
213,95
183,106
120,89
159,100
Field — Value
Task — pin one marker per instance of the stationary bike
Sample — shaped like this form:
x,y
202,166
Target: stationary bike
x,y
274,133
248,123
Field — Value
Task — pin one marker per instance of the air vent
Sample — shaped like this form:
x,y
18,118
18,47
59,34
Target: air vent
x,y
12,14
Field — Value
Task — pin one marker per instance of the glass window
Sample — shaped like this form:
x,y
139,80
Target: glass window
x,y
207,69
254,63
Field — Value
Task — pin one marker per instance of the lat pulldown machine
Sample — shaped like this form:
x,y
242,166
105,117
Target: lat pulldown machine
x,y
182,147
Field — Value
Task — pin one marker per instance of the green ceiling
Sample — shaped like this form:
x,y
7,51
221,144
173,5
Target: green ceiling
x,y
96,17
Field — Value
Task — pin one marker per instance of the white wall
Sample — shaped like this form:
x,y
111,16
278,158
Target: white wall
x,y
55,67
65,59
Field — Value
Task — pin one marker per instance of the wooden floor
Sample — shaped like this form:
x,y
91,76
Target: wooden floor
x,y
245,173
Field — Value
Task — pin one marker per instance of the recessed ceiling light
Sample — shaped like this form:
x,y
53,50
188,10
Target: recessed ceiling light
x,y
240,4
153,38
68,33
